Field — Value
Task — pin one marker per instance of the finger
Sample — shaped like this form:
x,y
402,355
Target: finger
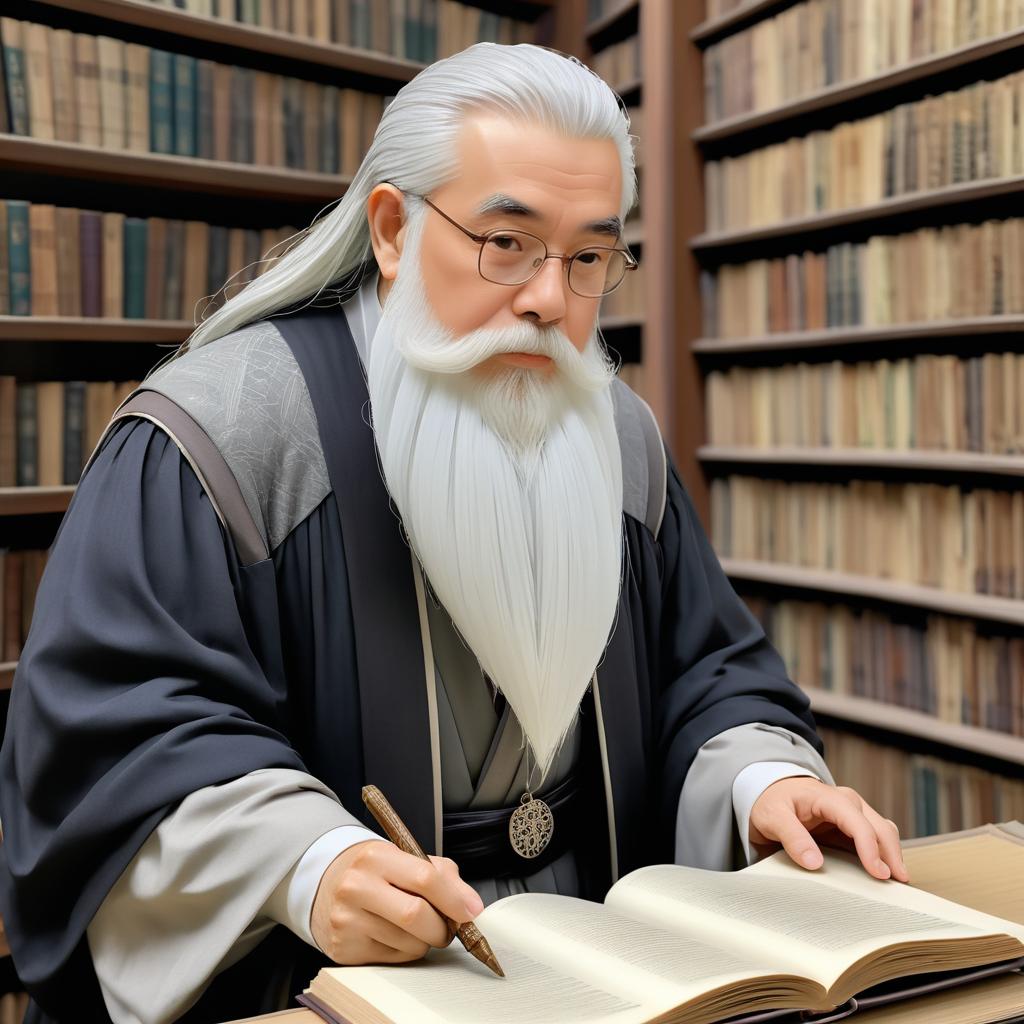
x,y
448,894
410,912
796,840
834,807
889,843
389,934
380,953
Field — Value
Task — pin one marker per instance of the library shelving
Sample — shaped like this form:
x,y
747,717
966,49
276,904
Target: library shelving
x,y
968,197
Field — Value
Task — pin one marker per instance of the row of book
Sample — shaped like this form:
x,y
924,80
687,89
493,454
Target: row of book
x,y
966,135
65,261
933,535
928,402
101,91
620,64
940,665
20,573
823,43
48,429
944,273
923,794
420,30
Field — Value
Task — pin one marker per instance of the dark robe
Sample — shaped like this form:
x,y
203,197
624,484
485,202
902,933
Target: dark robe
x,y
158,664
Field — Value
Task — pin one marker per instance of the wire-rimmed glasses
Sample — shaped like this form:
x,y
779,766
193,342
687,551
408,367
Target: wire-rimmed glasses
x,y
511,257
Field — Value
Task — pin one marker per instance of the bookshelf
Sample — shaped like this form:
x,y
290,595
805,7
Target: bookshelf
x,y
918,334
740,14
808,602
870,215
866,458
872,588
168,173
906,722
924,71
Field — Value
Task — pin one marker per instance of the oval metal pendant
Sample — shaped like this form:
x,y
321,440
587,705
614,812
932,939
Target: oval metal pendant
x,y
531,826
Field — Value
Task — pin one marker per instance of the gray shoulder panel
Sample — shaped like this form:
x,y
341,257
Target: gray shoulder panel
x,y
644,465
247,392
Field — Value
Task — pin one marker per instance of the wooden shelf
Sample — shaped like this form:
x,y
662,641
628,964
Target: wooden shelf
x,y
1011,323
871,458
708,31
622,11
978,606
182,173
93,328
250,38
6,679
631,92
621,323
909,722
844,92
967,191
27,501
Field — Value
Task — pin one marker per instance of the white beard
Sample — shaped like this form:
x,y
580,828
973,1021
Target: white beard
x,y
509,484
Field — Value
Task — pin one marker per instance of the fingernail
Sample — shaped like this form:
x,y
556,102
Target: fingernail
x,y
883,868
811,859
474,905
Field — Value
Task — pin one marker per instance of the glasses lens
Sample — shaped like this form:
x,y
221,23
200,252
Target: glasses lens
x,y
511,257
596,271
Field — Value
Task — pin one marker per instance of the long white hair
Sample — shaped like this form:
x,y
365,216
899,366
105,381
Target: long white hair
x,y
414,147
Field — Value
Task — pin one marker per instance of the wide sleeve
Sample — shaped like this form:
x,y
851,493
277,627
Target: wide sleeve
x,y
729,773
139,684
207,885
717,669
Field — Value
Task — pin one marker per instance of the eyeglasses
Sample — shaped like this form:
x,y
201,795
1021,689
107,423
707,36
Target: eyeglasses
x,y
512,257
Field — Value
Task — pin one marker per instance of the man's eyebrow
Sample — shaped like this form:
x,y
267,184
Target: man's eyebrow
x,y
501,203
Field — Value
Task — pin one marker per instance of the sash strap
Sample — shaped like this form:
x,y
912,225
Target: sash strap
x,y
478,841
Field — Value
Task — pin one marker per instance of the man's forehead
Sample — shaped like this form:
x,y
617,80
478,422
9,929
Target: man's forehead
x,y
526,171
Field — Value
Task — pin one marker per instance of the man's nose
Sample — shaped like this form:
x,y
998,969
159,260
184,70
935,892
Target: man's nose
x,y
545,294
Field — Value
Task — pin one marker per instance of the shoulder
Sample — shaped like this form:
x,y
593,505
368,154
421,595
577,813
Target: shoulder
x,y
248,394
644,461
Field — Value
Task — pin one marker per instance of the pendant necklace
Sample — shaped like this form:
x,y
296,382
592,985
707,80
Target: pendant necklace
x,y
532,823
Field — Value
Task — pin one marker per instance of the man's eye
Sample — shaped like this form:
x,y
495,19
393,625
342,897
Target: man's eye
x,y
503,242
590,257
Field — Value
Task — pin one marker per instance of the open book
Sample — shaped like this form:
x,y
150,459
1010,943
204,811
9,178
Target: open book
x,y
673,943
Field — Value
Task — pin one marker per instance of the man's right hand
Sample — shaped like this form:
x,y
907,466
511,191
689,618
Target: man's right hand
x,y
375,904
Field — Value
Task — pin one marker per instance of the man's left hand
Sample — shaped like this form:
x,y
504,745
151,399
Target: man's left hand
x,y
797,810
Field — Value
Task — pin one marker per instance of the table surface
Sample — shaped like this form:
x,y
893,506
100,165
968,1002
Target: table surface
x,y
930,869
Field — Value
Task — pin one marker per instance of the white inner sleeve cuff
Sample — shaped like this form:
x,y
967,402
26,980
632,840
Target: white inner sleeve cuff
x,y
305,878
749,784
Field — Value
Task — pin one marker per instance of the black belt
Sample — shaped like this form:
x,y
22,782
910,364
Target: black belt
x,y
478,841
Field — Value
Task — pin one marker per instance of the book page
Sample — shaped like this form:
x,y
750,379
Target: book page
x,y
557,951
449,986
844,870
785,918
663,968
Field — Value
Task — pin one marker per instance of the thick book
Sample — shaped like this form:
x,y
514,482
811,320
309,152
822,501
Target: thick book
x,y
673,943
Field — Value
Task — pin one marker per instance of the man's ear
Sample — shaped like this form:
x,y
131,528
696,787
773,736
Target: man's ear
x,y
385,212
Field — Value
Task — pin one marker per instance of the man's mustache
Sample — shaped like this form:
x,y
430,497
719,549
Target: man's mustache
x,y
442,352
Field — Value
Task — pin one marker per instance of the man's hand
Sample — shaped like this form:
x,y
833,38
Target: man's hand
x,y
793,810
375,904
